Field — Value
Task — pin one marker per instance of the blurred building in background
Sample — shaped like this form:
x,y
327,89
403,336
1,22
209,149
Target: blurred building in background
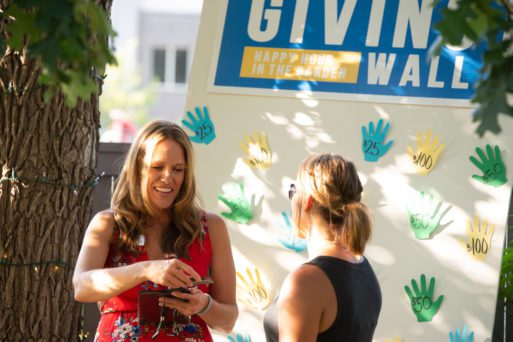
x,y
154,46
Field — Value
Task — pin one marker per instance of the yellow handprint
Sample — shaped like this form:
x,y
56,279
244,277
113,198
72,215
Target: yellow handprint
x,y
253,290
396,339
479,234
427,153
258,151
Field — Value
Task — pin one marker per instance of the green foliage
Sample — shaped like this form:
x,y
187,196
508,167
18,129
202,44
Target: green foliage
x,y
68,37
484,21
506,279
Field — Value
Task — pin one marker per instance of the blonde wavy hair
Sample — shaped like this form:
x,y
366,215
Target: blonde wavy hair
x,y
130,201
333,183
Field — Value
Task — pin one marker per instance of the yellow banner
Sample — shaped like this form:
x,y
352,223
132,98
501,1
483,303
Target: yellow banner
x,y
301,65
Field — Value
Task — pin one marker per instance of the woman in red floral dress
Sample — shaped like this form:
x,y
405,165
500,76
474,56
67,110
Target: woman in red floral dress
x,y
155,237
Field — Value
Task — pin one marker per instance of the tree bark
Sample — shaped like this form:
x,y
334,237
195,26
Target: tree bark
x,y
47,163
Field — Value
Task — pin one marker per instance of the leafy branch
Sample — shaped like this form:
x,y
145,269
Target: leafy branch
x,y
484,22
68,37
506,279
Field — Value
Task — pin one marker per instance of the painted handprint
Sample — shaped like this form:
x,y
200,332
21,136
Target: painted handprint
x,y
461,335
426,156
479,234
494,172
422,302
258,152
239,338
201,126
241,210
291,241
373,141
425,215
253,290
396,339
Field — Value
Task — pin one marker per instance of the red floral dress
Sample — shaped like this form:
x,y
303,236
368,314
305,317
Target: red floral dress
x,y
119,323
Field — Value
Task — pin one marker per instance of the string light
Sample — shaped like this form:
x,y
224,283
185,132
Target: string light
x,y
43,180
36,265
83,335
57,264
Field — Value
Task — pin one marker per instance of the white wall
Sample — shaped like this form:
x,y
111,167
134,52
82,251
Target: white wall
x,y
299,126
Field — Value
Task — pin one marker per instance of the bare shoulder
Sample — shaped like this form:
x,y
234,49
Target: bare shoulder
x,y
104,216
214,220
301,303
216,225
102,224
305,281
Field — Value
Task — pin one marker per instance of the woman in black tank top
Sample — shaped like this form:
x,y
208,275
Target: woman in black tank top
x,y
336,295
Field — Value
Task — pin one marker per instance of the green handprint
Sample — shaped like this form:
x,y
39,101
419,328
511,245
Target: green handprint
x,y
494,172
241,210
425,215
422,303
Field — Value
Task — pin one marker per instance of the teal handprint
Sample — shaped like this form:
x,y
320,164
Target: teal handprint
x,y
494,172
291,241
425,215
241,210
239,338
422,303
462,335
373,141
201,126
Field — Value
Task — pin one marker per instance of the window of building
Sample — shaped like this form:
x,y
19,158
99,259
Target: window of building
x,y
170,66
159,65
181,66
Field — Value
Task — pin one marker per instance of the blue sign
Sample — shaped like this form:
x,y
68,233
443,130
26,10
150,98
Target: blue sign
x,y
378,47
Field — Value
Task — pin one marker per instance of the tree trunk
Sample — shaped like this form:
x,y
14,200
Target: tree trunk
x,y
47,163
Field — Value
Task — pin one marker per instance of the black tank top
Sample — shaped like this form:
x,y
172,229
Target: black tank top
x,y
358,302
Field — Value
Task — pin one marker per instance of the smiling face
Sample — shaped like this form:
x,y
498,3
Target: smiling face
x,y
166,173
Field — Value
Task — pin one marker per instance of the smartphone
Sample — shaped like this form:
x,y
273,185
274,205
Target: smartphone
x,y
169,292
206,280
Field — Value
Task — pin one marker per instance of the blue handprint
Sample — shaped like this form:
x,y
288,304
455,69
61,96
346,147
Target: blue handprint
x,y
291,241
239,338
202,126
462,335
373,140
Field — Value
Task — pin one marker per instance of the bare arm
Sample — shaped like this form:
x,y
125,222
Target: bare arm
x,y
93,283
223,312
299,305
